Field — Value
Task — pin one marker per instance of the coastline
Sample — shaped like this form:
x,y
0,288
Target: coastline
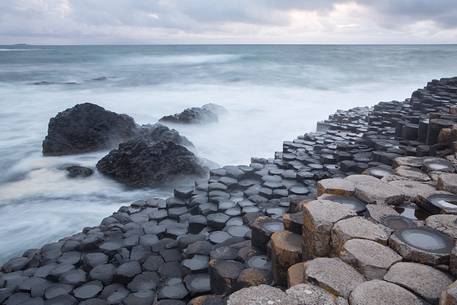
x,y
213,240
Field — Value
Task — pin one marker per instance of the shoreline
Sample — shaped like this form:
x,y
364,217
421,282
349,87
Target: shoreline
x,y
212,240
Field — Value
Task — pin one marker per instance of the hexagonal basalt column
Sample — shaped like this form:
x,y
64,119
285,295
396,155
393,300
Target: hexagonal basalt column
x,y
319,218
286,251
357,227
372,190
333,275
368,257
423,280
378,292
422,245
335,186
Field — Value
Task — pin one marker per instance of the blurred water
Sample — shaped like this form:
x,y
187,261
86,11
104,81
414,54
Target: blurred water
x,y
272,93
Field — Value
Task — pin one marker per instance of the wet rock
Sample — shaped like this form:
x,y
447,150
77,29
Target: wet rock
x,y
64,299
368,257
198,283
104,273
92,260
127,271
73,277
75,171
224,274
378,292
423,280
88,290
173,289
205,114
260,295
85,128
333,275
15,264
319,217
422,245
144,281
141,163
357,227
54,290
439,203
262,229
196,263
286,251
114,294
144,297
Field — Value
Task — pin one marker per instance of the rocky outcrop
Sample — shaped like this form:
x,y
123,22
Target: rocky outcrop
x,y
158,132
77,171
86,128
367,239
196,115
142,163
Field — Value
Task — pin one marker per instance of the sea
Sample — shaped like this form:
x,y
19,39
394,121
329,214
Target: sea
x,y
272,93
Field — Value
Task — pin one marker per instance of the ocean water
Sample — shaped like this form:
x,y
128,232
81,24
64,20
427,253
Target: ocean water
x,y
272,93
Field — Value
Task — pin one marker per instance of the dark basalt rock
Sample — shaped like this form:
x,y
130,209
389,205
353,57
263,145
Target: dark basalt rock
x,y
142,163
75,171
85,128
205,114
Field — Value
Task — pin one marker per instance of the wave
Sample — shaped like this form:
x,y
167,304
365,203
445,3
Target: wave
x,y
196,59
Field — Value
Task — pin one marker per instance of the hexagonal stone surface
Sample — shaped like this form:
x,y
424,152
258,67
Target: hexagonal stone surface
x,y
306,294
378,292
357,227
447,182
318,219
409,161
286,250
413,189
423,280
335,186
368,257
254,277
333,275
296,274
260,295
411,173
224,274
378,212
444,223
88,290
423,245
373,190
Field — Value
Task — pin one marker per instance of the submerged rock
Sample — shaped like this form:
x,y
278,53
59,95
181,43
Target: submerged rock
x,y
75,171
205,114
86,128
142,163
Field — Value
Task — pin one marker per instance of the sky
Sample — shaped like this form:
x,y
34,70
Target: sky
x,y
227,21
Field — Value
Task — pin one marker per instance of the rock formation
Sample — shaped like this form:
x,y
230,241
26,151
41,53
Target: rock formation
x,y
196,115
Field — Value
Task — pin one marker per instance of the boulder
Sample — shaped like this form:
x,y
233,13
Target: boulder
x,y
196,115
75,171
142,163
447,182
86,128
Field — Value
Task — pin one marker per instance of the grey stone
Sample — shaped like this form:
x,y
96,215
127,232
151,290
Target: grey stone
x,y
376,292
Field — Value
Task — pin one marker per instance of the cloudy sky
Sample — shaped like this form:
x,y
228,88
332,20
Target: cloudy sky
x,y
228,21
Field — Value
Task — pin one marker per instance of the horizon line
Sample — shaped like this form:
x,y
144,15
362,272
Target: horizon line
x,y
222,44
